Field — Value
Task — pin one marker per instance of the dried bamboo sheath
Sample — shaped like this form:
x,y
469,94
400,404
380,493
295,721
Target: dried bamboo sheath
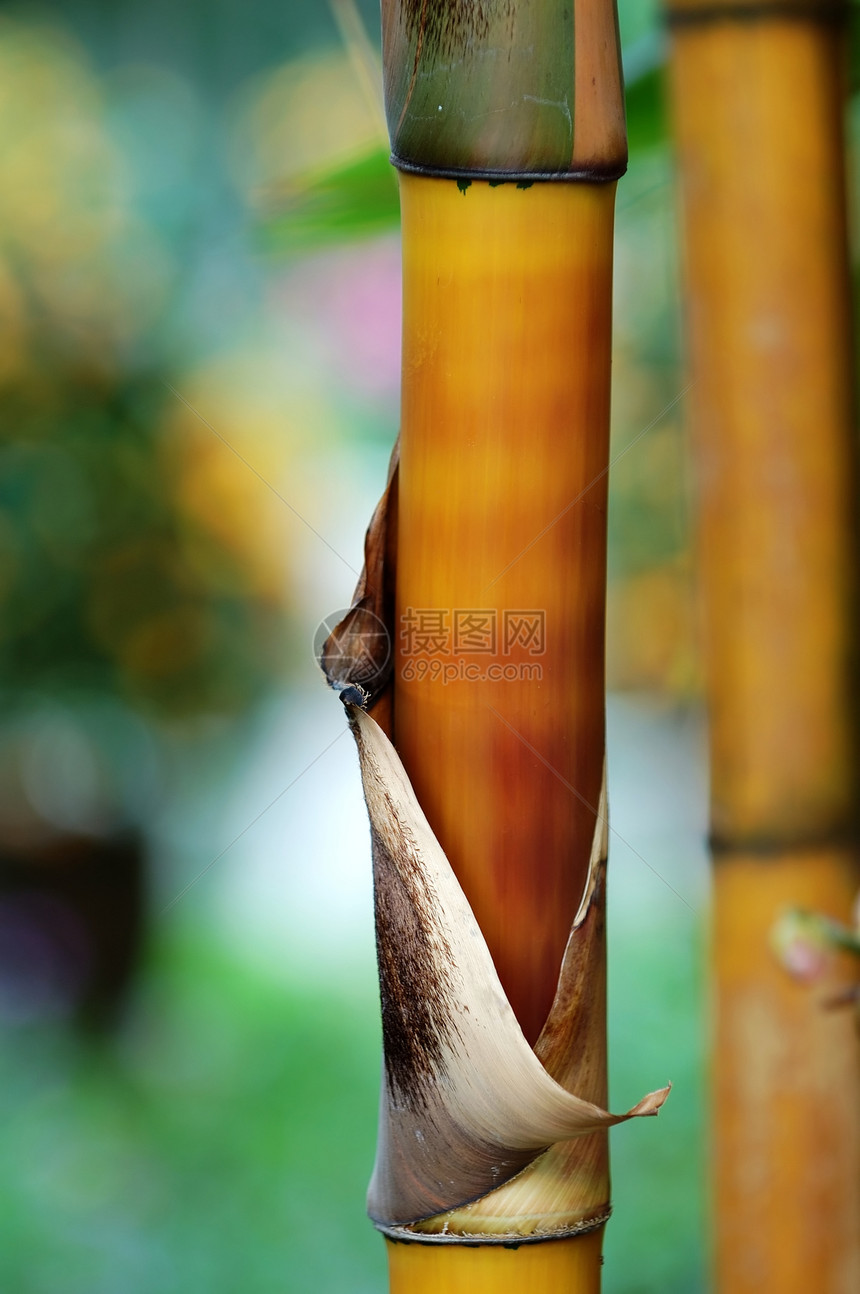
x,y
758,108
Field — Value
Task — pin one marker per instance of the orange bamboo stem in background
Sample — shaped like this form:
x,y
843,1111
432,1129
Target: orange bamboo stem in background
x,y
758,109
786,1146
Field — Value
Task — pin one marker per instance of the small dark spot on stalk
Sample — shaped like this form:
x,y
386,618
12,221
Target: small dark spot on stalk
x,y
463,185
494,184
524,184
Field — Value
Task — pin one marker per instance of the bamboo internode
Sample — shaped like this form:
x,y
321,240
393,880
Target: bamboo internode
x,y
786,1144
760,139
504,453
572,1266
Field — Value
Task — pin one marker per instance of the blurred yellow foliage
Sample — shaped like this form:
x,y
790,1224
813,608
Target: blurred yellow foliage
x,y
226,476
138,554
652,631
75,261
301,118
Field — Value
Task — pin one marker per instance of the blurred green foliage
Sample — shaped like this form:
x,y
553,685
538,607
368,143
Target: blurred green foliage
x,y
112,584
353,199
226,1142
222,1144
97,593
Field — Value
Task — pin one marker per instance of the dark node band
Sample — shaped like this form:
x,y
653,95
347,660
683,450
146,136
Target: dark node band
x,y
768,847
507,1240
592,174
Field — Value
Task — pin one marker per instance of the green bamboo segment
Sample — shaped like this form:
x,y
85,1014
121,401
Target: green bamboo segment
x,y
501,88
758,105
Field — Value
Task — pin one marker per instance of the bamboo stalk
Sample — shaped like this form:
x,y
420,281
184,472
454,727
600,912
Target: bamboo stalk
x,y
505,414
496,705
758,112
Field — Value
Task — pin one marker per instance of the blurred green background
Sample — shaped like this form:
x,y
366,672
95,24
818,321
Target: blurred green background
x,y
199,310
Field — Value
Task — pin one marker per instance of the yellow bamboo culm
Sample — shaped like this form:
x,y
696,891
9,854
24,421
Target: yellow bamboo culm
x,y
568,1266
504,453
758,107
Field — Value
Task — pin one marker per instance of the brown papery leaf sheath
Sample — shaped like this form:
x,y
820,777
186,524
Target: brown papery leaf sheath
x,y
355,655
466,1104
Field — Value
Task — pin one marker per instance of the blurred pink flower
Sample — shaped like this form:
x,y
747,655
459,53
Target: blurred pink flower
x,y
350,298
